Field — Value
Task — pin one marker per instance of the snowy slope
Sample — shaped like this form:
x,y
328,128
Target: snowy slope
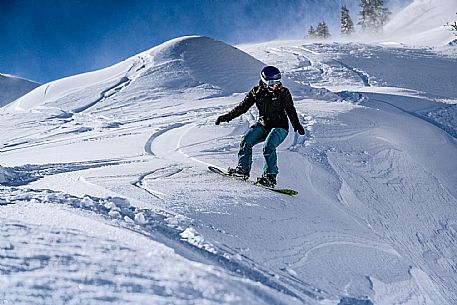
x,y
12,87
178,64
107,170
422,23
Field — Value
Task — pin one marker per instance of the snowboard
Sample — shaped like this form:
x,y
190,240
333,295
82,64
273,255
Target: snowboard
x,y
224,173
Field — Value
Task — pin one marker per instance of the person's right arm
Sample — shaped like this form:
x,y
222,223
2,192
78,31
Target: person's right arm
x,y
242,107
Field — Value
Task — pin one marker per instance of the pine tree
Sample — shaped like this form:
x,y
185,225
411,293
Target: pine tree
x,y
373,15
322,30
453,26
366,15
311,32
347,26
382,14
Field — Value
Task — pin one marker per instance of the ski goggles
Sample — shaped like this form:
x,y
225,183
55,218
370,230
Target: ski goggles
x,y
273,81
273,85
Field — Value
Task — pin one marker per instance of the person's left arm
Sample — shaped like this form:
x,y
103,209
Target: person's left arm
x,y
292,112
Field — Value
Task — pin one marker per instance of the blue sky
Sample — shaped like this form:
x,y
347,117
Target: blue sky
x,y
50,39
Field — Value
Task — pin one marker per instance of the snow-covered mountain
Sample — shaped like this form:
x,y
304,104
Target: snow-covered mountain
x,y
12,87
106,195
422,23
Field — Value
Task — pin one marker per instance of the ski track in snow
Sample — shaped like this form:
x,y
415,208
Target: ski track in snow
x,y
362,230
147,146
165,172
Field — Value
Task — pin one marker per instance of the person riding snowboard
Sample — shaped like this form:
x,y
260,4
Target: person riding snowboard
x,y
275,105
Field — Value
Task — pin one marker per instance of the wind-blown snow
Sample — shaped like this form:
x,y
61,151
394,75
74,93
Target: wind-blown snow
x,y
12,87
422,23
106,196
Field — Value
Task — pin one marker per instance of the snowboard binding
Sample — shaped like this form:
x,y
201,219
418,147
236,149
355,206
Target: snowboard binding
x,y
238,172
267,180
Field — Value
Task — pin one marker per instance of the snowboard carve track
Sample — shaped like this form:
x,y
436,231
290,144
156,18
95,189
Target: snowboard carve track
x,y
158,133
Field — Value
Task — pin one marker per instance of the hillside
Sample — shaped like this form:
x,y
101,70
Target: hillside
x,y
106,196
12,87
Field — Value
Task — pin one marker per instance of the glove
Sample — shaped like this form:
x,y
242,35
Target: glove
x,y
299,129
222,118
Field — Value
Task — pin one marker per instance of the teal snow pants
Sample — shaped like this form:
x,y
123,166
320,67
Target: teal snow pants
x,y
256,134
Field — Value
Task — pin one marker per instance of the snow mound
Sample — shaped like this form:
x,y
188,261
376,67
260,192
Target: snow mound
x,y
12,87
179,64
422,23
210,62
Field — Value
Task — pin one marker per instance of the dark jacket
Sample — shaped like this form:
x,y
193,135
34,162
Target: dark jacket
x,y
274,108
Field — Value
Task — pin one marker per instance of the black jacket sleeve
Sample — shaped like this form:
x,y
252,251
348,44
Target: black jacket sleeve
x,y
290,109
244,106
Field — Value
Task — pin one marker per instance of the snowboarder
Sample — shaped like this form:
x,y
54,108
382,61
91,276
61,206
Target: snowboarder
x,y
275,105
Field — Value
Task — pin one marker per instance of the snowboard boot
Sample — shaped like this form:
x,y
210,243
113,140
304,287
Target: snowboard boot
x,y
267,180
238,172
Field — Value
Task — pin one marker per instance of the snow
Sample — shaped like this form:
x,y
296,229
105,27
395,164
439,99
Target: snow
x,y
106,196
3,174
54,254
12,87
179,63
422,23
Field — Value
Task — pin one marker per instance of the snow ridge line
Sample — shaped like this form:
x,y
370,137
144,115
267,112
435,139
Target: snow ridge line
x,y
363,76
46,90
123,82
157,226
